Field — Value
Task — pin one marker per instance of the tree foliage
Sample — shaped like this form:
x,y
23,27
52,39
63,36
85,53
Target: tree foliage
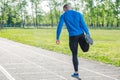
x,y
97,13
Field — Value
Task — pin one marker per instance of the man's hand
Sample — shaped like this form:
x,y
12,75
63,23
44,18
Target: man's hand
x,y
57,41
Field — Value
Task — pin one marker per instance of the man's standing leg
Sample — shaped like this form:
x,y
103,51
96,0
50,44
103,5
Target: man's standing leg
x,y
73,44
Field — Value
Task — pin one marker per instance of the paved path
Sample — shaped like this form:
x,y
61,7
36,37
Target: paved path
x,y
23,62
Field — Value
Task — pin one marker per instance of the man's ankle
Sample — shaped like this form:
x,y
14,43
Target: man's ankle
x,y
76,72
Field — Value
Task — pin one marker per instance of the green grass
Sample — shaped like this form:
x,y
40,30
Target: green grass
x,y
106,46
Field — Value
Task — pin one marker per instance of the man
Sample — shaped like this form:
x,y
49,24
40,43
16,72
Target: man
x,y
77,30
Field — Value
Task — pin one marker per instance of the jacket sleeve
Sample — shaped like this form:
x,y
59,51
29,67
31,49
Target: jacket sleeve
x,y
83,25
59,27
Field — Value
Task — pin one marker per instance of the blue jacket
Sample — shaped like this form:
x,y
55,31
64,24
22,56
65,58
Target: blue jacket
x,y
74,22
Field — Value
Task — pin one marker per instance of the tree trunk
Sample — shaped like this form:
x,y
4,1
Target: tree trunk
x,y
51,16
36,15
3,9
33,23
56,15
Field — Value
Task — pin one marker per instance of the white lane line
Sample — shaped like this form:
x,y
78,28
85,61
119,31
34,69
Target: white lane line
x,y
35,65
43,68
86,69
98,73
6,73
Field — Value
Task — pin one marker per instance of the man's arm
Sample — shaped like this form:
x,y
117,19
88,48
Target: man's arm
x,y
83,25
59,29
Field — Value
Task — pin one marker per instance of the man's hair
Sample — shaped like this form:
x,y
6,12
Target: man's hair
x,y
66,5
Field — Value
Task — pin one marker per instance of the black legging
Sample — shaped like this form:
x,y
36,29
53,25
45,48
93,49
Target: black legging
x,y
73,44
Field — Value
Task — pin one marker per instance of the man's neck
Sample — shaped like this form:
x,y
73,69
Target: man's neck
x,y
67,10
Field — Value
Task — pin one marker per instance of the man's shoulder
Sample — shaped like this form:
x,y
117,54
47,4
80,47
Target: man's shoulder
x,y
70,12
76,12
62,15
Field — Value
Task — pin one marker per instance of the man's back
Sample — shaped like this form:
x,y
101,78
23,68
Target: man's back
x,y
72,21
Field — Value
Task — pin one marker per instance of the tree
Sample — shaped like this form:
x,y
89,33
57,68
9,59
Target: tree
x,y
36,11
89,9
56,9
51,12
117,11
3,6
97,13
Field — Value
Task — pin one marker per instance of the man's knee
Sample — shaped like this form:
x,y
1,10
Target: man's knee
x,y
85,48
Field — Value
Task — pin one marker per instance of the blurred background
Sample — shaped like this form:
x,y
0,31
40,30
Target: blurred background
x,y
36,13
